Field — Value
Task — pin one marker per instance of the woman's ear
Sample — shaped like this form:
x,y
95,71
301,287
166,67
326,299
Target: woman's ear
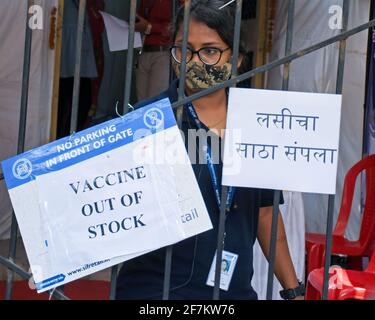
x,y
240,60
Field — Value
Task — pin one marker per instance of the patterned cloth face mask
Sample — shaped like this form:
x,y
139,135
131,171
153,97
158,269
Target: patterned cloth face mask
x,y
200,76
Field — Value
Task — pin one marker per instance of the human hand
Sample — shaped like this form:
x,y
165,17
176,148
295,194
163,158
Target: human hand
x,y
141,24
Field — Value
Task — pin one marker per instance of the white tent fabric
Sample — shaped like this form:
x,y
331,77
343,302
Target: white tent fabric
x,y
317,72
12,39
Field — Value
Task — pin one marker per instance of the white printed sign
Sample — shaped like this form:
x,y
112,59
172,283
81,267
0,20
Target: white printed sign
x,y
118,33
105,195
282,140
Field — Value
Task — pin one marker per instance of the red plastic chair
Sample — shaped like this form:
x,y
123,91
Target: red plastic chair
x,y
343,284
82,289
315,243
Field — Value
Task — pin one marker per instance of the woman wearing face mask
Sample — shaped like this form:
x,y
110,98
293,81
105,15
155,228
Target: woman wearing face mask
x,y
249,211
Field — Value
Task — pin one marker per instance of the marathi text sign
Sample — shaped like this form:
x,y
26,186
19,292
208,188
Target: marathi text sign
x,y
282,140
105,195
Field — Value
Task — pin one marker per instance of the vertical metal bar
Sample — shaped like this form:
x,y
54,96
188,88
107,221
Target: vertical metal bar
x,y
11,257
237,38
331,198
288,43
77,71
21,142
112,291
181,93
272,248
342,52
174,10
77,68
261,45
224,189
167,272
174,14
220,242
128,79
181,87
130,55
277,194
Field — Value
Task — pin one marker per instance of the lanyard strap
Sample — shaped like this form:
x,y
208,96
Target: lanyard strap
x,y
211,166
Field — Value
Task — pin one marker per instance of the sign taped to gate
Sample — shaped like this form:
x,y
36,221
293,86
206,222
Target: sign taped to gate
x,y
105,195
282,140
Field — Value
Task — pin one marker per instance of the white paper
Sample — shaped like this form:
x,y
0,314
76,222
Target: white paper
x,y
282,140
78,212
118,33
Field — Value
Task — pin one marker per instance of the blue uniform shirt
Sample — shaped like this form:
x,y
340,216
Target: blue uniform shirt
x,y
142,277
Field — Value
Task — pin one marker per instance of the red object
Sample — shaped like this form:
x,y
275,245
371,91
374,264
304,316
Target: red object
x,y
355,250
76,290
159,14
343,284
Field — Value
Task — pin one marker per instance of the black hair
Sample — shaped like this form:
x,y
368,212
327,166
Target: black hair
x,y
208,12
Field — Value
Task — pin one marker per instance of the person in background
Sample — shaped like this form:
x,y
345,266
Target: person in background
x,y
153,69
88,70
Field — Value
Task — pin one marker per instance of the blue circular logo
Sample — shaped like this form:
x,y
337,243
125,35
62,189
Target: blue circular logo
x,y
153,118
22,168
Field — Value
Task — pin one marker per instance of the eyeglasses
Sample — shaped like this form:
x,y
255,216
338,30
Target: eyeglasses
x,y
208,55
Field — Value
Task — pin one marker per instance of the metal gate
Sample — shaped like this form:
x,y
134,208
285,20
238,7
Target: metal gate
x,y
9,262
